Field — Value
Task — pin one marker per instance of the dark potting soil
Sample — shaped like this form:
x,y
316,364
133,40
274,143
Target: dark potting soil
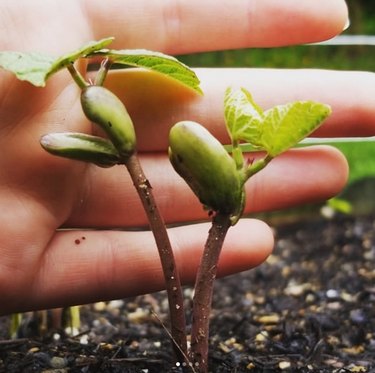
x,y
309,308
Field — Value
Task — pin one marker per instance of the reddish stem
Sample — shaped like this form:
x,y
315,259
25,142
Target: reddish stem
x,y
203,291
171,275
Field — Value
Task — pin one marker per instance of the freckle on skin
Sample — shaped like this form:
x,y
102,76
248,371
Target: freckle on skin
x,y
77,241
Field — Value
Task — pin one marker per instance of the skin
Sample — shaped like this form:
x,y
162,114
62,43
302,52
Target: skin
x,y
41,267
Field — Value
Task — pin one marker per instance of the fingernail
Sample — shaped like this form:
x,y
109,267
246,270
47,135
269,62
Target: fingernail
x,y
347,25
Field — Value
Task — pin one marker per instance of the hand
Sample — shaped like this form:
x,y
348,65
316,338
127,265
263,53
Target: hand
x,y
43,267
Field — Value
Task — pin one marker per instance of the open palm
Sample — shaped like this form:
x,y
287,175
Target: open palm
x,y
57,242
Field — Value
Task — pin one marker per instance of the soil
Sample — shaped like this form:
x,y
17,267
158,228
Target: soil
x,y
309,308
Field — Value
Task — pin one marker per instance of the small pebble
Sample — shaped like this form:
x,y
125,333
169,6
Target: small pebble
x,y
358,316
332,294
284,365
355,350
33,350
334,306
250,366
347,297
58,362
100,306
268,319
139,315
310,298
262,337
115,304
334,363
297,289
357,368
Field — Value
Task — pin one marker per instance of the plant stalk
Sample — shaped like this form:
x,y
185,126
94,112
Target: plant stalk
x,y
77,77
203,291
171,275
102,72
257,166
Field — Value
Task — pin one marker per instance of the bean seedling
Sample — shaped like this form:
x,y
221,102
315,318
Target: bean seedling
x,y
217,176
218,179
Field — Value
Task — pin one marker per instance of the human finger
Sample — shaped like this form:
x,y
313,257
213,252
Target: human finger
x,y
87,266
156,103
299,176
169,26
191,26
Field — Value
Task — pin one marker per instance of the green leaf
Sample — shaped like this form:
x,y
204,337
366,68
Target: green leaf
x,y
32,67
243,117
36,68
340,205
85,51
274,130
81,147
155,61
286,125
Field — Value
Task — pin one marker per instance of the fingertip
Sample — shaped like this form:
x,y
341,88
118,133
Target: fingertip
x,y
330,172
337,24
298,176
330,18
313,20
335,160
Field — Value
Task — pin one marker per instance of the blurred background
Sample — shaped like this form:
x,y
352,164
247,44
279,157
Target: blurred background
x,y
353,57
353,50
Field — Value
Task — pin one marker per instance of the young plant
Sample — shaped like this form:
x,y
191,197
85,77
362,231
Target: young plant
x,y
217,177
218,180
106,110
